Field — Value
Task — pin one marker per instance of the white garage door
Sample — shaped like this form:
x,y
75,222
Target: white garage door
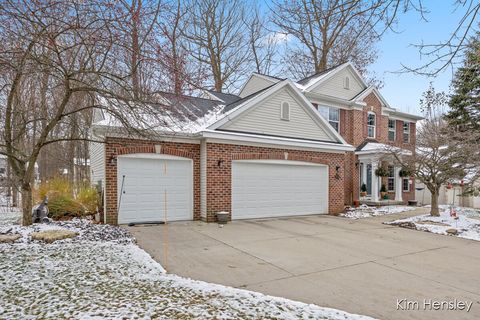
x,y
270,188
150,181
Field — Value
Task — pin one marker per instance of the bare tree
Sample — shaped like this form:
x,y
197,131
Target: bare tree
x,y
330,32
439,158
217,38
64,54
263,42
439,56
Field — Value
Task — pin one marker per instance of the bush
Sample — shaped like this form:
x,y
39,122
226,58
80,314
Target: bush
x,y
62,203
88,197
62,206
57,186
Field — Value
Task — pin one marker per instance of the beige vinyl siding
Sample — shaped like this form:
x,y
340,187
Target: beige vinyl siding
x,y
203,178
264,118
335,86
97,162
254,84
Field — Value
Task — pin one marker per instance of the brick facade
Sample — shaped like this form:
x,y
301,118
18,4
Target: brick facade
x,y
355,133
219,184
343,189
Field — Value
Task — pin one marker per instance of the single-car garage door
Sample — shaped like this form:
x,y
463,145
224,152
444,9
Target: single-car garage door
x,y
151,180
274,188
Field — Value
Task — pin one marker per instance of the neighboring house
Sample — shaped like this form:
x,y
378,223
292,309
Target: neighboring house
x,y
3,169
279,148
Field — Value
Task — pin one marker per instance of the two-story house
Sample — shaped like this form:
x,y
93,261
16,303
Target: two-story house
x,y
278,148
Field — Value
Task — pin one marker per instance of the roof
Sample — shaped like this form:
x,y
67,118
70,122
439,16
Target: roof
x,y
227,98
306,80
371,146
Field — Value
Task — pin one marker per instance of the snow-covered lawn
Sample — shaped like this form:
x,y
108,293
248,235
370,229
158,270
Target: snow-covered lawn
x,y
365,211
467,224
102,274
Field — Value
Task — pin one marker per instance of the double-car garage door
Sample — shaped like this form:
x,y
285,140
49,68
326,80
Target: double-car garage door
x,y
275,188
153,188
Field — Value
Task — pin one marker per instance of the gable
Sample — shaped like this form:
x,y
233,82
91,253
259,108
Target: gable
x,y
264,118
335,85
255,84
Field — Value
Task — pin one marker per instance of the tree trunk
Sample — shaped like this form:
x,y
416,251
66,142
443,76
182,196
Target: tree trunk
x,y
434,211
27,204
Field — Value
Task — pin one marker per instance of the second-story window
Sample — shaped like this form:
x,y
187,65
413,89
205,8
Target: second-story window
x,y
332,115
371,120
391,130
406,132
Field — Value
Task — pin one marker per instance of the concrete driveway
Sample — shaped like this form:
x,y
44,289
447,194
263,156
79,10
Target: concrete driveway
x,y
360,266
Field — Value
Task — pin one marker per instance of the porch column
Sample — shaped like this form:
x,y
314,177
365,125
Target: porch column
x,y
398,184
364,174
374,181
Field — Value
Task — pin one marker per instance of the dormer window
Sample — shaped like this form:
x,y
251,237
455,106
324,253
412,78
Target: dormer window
x,y
346,83
285,111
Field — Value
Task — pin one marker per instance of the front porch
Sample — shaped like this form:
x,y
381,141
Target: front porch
x,y
383,189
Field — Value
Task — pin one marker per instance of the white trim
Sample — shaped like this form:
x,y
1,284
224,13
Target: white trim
x,y
159,156
409,132
374,124
332,72
319,98
269,92
283,162
394,130
239,138
408,179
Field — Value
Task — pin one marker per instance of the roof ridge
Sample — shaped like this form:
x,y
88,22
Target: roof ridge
x,y
321,72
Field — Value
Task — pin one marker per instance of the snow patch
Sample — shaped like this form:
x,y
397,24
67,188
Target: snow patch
x,y
365,211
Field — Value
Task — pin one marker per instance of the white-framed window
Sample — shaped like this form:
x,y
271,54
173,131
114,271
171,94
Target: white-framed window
x,y
406,131
346,83
332,115
406,184
391,179
371,121
285,111
392,131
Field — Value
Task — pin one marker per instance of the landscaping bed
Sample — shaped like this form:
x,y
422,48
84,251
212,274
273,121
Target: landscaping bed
x,y
364,211
465,225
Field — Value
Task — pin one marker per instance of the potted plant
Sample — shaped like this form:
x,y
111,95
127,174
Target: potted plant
x,y
363,190
381,172
383,192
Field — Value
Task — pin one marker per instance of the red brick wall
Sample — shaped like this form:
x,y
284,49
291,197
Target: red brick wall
x,y
118,146
219,177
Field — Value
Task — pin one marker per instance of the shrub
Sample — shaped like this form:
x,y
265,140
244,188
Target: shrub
x,y
62,206
88,197
57,185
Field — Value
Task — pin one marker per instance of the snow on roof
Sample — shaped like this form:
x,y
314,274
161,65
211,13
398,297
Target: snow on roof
x,y
377,147
173,113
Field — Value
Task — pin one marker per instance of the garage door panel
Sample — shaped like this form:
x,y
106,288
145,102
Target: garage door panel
x,y
145,183
282,188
